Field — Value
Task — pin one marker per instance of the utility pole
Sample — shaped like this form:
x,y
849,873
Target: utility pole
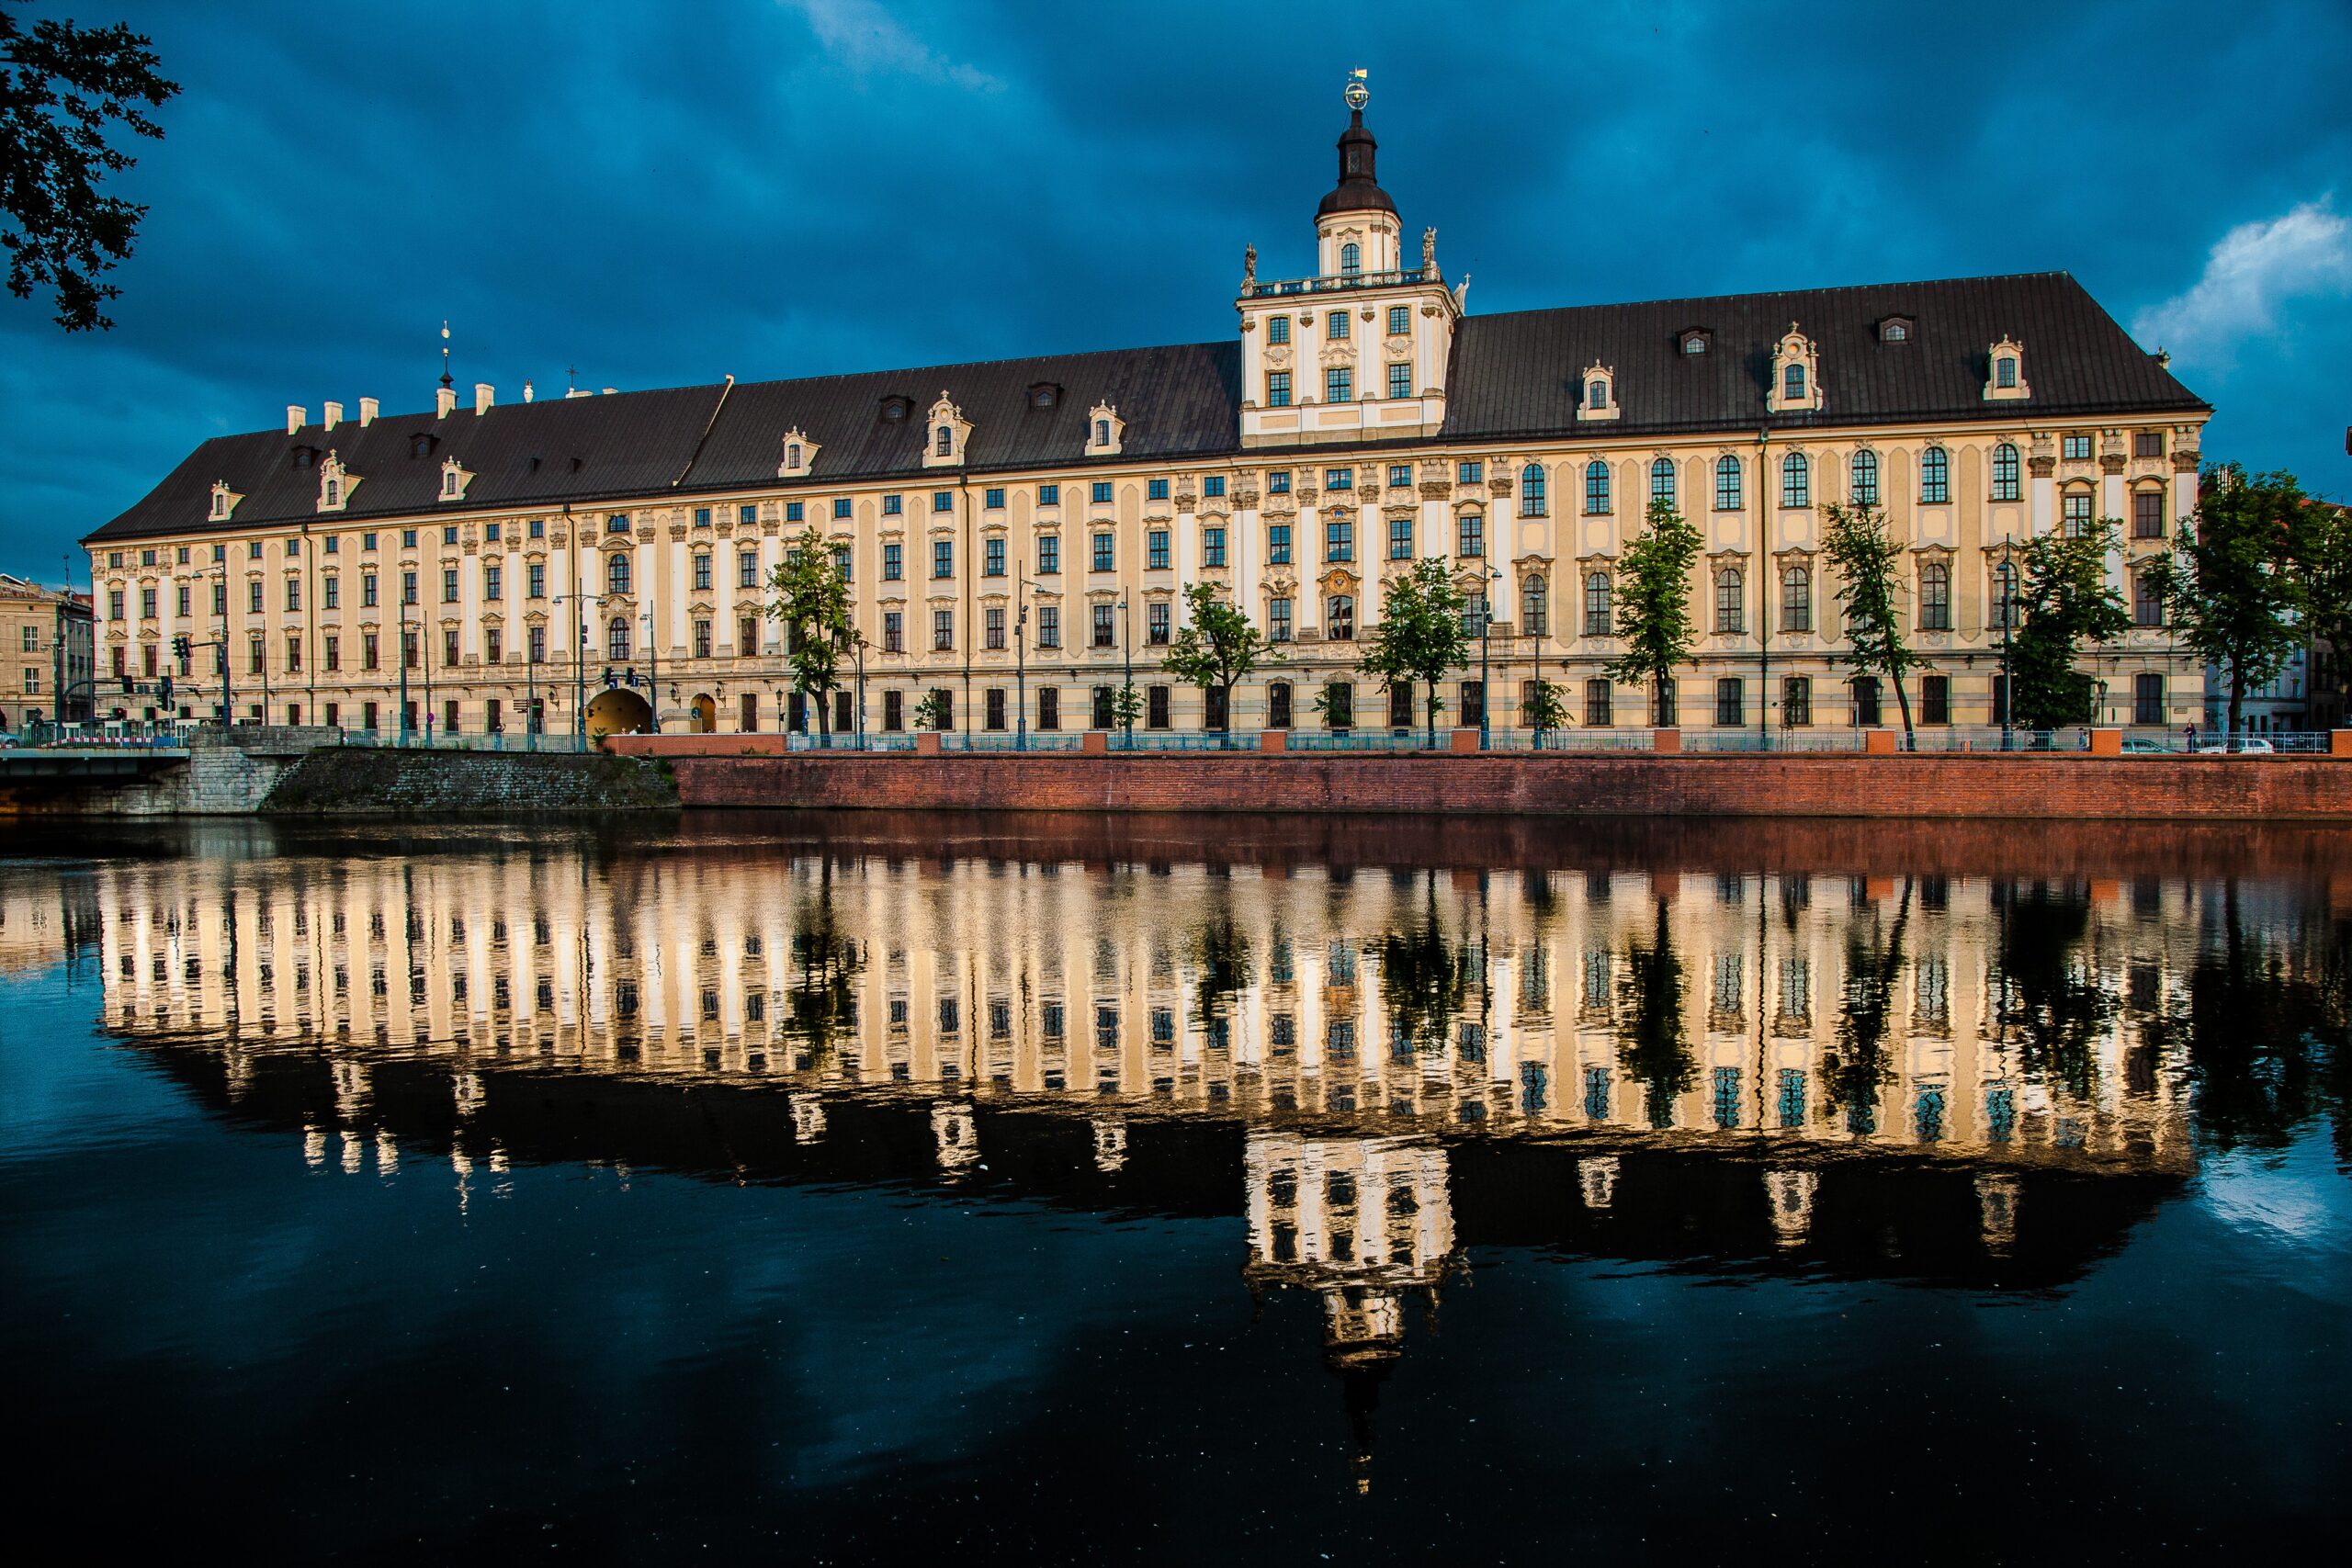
x,y
1021,665
1486,624
2008,672
1127,641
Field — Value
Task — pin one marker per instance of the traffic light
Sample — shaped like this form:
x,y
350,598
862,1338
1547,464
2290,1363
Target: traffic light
x,y
164,691
180,646
129,685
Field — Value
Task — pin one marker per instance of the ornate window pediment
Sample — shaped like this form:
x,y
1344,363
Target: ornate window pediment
x,y
2005,372
1105,431
1796,375
335,484
455,478
1598,396
944,447
799,455
224,502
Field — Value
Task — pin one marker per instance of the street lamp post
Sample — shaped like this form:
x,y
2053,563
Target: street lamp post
x,y
2009,673
1486,626
1127,648
1020,666
652,671
404,658
860,645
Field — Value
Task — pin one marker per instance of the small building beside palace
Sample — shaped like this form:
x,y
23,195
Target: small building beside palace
x,y
45,641
1019,534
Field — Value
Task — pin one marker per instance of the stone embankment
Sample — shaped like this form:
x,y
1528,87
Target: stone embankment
x,y
366,782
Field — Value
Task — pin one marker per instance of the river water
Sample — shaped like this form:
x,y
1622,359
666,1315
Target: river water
x,y
1038,1190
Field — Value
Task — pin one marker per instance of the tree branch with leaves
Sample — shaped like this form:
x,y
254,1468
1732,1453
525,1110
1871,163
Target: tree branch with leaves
x,y
62,88
2067,602
809,596
2231,584
1218,647
1421,635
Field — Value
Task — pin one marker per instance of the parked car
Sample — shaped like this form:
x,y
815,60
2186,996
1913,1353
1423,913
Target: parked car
x,y
2143,743
2216,743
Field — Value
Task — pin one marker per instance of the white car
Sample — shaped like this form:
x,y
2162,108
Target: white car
x,y
2216,743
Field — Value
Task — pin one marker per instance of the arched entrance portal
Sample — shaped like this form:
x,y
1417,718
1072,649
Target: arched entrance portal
x,y
706,715
617,712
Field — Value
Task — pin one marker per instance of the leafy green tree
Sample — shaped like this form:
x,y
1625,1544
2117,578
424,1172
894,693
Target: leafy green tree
x,y
2067,602
1868,560
2231,585
1334,704
1424,979
1126,706
936,711
1421,635
1859,1065
809,598
1654,602
2049,995
59,87
1218,647
2326,551
1547,707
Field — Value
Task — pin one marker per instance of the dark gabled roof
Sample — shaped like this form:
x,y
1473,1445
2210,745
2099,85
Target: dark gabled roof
x,y
1514,377
1520,374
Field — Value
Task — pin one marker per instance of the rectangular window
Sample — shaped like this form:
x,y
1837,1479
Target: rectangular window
x,y
1278,482
1049,555
1339,381
147,599
1212,547
747,637
702,640
1278,329
1730,702
1214,485
334,594
1157,489
1049,626
841,508
1049,495
1599,695
747,515
2075,509
293,654
702,516
1103,552
2077,449
537,650
1155,707
1105,627
943,631
494,581
894,565
1101,493
1470,473
2148,698
993,499
1337,325
894,632
992,557
1473,702
992,708
992,626
1156,624
1866,700
1935,699
1338,479
1156,550
2147,608
1049,708
1400,539
894,505
448,585
894,710
1797,700
942,557
1338,540
1278,624
1277,544
1401,320
1473,535
747,569
2148,515
942,501
370,653
2147,444
536,581
253,600
793,512
1340,618
1400,476
1400,380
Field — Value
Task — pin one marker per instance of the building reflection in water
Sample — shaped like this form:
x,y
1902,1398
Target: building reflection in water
x,y
1404,1057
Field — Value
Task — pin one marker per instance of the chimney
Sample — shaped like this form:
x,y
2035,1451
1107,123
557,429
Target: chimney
x,y
334,415
366,412
579,392
526,392
445,402
484,395
610,390
296,416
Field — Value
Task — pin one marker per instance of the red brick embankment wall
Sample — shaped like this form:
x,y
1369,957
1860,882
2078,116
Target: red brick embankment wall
x,y
1911,787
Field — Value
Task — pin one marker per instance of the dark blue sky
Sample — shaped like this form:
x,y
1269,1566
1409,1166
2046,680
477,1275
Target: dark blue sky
x,y
660,195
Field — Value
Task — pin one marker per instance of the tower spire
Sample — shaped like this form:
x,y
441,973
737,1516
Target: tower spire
x,y
444,355
1359,187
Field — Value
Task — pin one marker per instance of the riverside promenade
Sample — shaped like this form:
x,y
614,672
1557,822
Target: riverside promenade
x,y
2101,782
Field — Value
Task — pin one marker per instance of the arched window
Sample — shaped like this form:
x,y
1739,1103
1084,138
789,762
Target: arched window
x,y
1935,597
616,572
1727,484
1351,259
1531,490
1934,478
1796,599
1797,481
335,493
792,456
1792,383
2004,472
1101,433
616,638
1662,481
1595,487
1865,487
1731,600
1596,604
2004,373
1534,607
946,445
1597,395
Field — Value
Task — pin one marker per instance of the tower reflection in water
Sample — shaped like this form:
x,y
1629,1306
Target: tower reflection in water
x,y
1923,1076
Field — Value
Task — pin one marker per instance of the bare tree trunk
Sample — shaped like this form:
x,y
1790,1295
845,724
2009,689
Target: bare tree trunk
x,y
1903,701
824,717
2237,705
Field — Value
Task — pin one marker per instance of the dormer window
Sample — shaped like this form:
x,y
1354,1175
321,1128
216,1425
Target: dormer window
x,y
1105,429
454,479
305,455
334,485
1895,329
2005,378
1043,395
1694,340
799,455
1796,387
949,429
1600,393
224,502
420,445
895,410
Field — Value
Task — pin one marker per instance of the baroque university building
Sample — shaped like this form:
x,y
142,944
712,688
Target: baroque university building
x,y
1017,533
